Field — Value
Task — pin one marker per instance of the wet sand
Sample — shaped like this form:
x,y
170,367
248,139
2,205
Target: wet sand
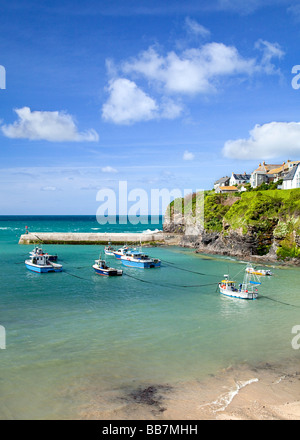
x,y
265,392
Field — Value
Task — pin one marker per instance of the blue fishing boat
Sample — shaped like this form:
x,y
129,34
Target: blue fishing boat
x,y
139,260
102,269
42,264
120,252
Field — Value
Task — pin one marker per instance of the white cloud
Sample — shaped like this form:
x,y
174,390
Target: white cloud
x,y
245,7
187,155
127,103
175,75
200,66
108,169
270,51
275,139
195,28
45,125
49,188
169,109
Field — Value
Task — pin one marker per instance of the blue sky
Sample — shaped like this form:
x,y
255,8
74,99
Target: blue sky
x,y
159,94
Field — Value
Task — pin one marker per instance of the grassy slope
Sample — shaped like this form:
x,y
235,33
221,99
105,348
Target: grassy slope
x,y
263,210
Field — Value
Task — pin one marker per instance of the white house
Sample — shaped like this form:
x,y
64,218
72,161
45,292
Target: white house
x,y
224,181
292,179
263,174
239,179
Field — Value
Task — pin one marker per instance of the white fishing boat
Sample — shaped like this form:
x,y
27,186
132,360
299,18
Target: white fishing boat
x,y
259,272
246,290
39,251
140,260
120,252
42,264
101,268
109,250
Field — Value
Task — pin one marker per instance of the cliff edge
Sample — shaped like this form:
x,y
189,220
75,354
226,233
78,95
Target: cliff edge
x,y
262,224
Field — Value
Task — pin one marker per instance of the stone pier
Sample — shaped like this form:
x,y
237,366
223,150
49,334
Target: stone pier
x,y
98,238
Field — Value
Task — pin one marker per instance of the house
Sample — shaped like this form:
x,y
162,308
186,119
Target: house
x,y
290,164
224,181
263,174
239,179
292,179
226,189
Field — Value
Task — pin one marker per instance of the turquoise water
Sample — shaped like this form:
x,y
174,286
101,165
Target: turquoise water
x,y
72,336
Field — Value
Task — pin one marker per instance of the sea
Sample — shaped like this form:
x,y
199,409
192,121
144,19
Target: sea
x,y
78,345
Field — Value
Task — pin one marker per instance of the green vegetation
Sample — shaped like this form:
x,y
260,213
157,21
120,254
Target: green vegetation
x,y
264,186
267,214
214,211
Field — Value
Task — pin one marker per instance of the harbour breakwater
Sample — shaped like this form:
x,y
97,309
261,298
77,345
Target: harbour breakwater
x,y
98,238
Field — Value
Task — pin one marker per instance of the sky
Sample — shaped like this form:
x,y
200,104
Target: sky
x,y
157,94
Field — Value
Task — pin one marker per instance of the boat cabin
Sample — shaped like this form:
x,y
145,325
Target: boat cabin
x,y
101,264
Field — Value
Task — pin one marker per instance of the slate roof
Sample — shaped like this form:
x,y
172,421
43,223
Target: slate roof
x,y
222,180
291,174
242,176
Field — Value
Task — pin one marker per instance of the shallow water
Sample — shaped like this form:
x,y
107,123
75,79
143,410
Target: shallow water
x,y
74,339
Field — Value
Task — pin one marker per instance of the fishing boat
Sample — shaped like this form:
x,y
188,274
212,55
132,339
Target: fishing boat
x,y
246,290
101,268
259,272
109,250
39,251
120,252
140,260
42,264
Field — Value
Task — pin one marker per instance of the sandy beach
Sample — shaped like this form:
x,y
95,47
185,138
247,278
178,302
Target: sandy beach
x,y
266,392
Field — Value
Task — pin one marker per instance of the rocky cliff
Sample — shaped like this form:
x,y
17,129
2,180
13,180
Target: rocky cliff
x,y
262,224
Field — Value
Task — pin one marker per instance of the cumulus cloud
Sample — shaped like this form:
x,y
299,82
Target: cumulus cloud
x,y
177,75
266,141
45,125
127,103
187,155
200,66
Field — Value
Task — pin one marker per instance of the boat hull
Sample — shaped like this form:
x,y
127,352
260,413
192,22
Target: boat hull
x,y
42,269
118,256
140,264
107,272
108,253
238,294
